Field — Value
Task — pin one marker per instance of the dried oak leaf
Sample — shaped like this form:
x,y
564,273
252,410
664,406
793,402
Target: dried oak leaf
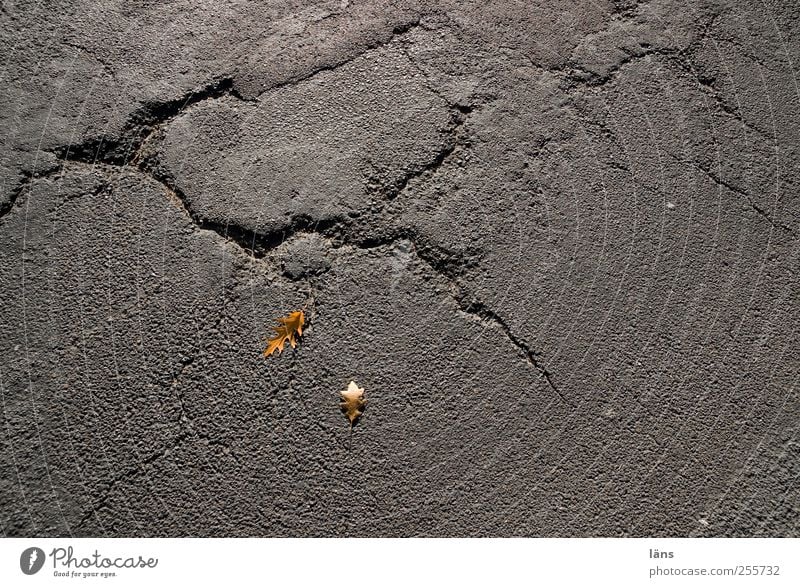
x,y
290,327
353,402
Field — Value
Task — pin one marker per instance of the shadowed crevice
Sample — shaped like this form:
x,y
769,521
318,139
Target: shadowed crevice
x,y
141,124
8,205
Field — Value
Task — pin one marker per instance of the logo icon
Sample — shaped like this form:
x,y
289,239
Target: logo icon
x,y
31,560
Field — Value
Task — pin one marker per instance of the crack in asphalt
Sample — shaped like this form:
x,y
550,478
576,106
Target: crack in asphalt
x,y
110,71
183,414
397,31
129,474
682,58
737,190
580,76
471,305
708,87
8,205
141,125
459,115
626,9
577,76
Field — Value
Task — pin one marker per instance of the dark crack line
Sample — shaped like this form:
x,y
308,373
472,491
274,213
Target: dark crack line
x,y
459,116
8,205
737,190
682,58
398,31
450,267
103,63
709,89
580,76
594,80
429,84
127,475
442,262
254,242
479,309
184,419
140,126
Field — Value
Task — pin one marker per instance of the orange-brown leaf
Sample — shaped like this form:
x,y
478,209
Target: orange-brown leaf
x,y
290,327
353,402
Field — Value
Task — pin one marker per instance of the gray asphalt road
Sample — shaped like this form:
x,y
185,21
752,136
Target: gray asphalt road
x,y
556,242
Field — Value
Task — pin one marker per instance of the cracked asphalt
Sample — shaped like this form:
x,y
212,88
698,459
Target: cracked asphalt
x,y
556,242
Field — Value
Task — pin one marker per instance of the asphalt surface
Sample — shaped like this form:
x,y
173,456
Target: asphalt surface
x,y
555,242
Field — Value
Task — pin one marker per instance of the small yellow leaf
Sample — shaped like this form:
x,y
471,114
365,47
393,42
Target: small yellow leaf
x,y
290,327
353,402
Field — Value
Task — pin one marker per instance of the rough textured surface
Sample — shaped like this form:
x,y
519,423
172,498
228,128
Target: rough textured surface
x,y
556,242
